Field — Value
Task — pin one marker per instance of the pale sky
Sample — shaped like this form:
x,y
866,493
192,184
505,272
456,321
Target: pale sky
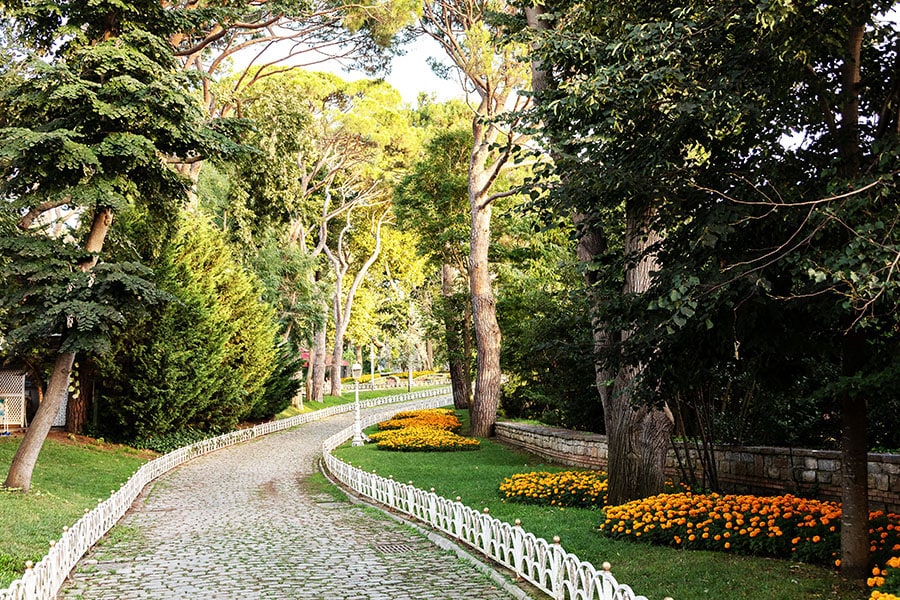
x,y
410,73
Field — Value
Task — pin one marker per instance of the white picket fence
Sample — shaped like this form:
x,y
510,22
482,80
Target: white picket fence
x,y
43,580
562,575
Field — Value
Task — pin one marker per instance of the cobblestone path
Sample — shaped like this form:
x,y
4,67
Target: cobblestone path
x,y
246,522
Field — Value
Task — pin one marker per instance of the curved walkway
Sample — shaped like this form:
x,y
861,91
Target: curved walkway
x,y
247,522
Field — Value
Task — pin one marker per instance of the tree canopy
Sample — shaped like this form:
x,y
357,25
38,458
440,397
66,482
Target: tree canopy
x,y
762,161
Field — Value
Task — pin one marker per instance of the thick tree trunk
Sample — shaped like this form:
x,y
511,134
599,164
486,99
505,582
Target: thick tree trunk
x,y
639,438
638,435
454,330
22,466
484,317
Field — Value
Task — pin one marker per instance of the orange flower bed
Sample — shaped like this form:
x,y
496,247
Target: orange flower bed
x,y
779,526
423,430
438,418
886,581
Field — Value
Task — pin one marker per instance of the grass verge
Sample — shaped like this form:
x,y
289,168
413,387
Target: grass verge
x,y
653,571
70,476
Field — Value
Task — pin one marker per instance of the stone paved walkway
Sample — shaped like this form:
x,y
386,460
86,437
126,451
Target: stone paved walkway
x,y
246,523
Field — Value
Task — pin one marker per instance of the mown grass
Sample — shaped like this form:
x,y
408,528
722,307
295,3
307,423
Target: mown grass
x,y
69,477
653,571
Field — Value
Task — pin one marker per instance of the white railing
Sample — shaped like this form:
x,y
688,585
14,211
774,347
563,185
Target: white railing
x,y
546,565
43,580
400,381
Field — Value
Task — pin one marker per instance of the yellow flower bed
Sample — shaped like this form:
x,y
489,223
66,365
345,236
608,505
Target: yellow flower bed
x,y
566,488
421,439
779,526
423,430
438,418
886,581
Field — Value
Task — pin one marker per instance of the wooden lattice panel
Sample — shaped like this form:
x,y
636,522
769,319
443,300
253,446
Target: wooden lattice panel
x,y
12,383
12,398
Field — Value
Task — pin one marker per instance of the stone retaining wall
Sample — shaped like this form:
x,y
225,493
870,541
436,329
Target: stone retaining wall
x,y
752,469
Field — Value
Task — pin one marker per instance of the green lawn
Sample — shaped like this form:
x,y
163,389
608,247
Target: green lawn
x,y
69,477
653,571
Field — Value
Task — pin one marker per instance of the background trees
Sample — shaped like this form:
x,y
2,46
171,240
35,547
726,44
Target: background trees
x,y
433,200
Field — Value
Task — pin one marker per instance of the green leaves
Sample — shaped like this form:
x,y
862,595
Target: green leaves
x,y
48,302
202,360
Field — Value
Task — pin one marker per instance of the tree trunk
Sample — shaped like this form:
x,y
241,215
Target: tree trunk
x,y
854,490
639,438
854,457
79,404
337,357
317,391
639,435
337,352
484,317
454,325
22,466
854,468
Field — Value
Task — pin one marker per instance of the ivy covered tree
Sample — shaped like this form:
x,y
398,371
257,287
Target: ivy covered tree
x,y
94,109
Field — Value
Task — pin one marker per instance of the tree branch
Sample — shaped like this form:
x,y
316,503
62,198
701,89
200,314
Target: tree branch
x,y
27,220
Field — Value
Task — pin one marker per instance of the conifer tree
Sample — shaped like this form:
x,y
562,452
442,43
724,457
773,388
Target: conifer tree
x,y
94,110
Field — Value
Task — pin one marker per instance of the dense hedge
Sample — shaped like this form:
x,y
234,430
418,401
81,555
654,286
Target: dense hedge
x,y
201,360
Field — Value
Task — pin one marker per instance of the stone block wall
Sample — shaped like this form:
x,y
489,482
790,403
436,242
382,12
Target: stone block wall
x,y
753,470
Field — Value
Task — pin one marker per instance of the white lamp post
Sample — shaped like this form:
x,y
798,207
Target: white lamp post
x,y
358,440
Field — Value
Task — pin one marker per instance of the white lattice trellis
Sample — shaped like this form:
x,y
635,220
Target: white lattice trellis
x,y
60,420
12,398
